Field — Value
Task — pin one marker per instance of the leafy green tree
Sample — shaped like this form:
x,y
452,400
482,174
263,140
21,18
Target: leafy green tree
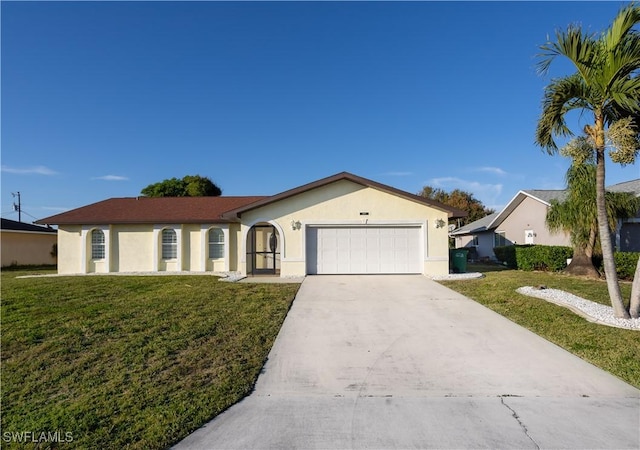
x,y
577,215
458,199
189,186
606,85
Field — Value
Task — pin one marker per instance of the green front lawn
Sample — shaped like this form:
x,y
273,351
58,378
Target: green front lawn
x,y
131,361
612,349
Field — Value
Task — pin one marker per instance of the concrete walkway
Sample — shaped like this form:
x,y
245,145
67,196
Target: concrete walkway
x,y
390,362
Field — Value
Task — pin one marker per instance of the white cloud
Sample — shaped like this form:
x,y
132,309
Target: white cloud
x,y
111,178
37,170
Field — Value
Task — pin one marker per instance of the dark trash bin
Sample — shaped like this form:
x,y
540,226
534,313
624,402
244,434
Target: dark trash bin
x,y
458,260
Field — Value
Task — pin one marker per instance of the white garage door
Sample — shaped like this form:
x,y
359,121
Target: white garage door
x,y
355,250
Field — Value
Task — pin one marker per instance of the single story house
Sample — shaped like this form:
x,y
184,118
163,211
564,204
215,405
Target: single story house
x,y
26,244
342,224
523,221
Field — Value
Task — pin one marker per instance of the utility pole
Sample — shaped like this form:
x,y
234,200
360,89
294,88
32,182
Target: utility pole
x,y
17,207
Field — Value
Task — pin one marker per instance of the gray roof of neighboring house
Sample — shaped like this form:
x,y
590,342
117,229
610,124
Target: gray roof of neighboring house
x,y
543,195
476,226
627,186
546,195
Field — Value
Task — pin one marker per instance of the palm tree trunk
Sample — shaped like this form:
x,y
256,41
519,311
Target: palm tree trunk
x,y
581,264
634,306
605,234
593,234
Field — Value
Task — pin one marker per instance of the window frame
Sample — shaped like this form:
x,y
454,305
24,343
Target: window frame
x,y
169,247
98,246
499,236
218,245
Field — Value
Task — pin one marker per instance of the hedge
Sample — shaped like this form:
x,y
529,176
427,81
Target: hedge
x,y
626,264
534,257
554,258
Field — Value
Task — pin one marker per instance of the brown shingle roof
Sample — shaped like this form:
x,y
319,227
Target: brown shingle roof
x,y
152,210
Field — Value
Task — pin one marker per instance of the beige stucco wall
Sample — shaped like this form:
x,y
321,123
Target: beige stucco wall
x,y
25,248
132,248
138,248
70,249
530,215
341,203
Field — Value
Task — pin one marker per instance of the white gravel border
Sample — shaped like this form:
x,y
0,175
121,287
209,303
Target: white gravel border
x,y
457,276
592,311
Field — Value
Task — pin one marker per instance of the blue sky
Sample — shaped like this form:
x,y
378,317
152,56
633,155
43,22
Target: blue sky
x,y
101,99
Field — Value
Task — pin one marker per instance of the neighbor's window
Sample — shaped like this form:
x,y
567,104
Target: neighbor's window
x,y
97,244
169,244
474,242
500,239
216,243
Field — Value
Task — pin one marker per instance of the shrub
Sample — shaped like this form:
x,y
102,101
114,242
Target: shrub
x,y
626,264
534,257
542,257
506,254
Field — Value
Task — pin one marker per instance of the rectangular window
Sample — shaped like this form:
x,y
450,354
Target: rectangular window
x,y
216,243
169,244
500,239
474,242
97,244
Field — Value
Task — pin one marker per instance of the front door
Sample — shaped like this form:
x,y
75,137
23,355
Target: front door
x,y
529,237
263,255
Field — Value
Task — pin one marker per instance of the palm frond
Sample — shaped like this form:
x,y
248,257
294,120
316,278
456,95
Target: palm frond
x,y
622,25
573,44
560,96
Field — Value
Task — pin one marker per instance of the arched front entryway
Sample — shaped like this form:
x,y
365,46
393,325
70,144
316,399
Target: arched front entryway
x,y
263,250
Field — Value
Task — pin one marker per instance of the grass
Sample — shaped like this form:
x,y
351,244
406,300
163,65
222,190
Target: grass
x,y
131,362
615,350
140,362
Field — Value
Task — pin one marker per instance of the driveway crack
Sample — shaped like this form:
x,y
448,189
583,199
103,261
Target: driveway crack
x,y
522,425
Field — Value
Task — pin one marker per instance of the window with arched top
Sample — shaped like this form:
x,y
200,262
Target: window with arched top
x,y
216,243
169,244
97,244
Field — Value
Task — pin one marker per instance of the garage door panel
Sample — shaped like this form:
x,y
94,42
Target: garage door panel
x,y
352,250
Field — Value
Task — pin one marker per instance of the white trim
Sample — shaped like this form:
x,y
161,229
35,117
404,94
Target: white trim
x,y
245,227
204,244
85,235
157,245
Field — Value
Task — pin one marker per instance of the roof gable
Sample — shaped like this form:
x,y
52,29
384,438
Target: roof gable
x,y
543,196
476,226
451,212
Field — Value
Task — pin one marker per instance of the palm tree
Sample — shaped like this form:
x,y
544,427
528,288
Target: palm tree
x,y
577,215
606,84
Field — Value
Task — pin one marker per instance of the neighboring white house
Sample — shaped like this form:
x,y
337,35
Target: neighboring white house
x,y
26,244
337,225
523,221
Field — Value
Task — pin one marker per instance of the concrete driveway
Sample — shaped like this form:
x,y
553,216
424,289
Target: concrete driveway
x,y
395,362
